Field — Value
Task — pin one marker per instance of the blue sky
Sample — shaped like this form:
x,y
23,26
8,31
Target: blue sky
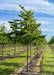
x,y
43,11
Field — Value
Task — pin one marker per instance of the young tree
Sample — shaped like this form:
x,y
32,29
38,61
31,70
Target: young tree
x,y
3,35
26,30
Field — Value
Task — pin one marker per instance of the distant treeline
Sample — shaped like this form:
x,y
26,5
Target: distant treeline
x,y
51,40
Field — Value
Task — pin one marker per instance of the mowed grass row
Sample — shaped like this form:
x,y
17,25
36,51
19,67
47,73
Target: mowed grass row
x,y
10,65
10,53
12,50
48,62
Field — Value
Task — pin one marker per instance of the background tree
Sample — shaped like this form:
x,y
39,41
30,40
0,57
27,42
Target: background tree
x,y
51,40
3,35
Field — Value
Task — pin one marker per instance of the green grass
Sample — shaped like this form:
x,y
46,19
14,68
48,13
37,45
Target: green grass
x,y
10,65
48,62
11,50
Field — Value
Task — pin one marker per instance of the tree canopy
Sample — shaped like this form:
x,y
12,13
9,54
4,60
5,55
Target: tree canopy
x,y
51,40
26,29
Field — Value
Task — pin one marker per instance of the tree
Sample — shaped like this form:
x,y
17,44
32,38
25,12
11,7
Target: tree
x,y
3,35
26,30
51,41
30,28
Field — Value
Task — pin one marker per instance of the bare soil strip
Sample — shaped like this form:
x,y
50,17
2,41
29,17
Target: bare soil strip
x,y
12,56
35,66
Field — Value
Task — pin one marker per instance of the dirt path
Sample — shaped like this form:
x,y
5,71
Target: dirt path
x,y
35,66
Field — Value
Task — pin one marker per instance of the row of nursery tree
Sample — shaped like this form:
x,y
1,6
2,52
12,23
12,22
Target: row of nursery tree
x,y
25,30
51,41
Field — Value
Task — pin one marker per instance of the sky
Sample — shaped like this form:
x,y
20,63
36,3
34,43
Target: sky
x,y
43,12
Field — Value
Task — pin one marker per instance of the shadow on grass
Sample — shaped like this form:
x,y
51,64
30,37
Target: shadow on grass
x,y
6,68
49,61
22,56
44,72
5,71
48,65
49,57
10,67
47,73
10,64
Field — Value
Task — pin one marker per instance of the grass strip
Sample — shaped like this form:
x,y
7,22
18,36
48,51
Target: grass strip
x,y
9,53
10,65
48,62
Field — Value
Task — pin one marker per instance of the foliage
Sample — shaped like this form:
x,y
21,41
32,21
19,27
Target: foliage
x,y
3,35
51,40
26,30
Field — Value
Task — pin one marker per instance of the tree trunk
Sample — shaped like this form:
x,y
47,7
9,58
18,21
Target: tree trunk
x,y
27,57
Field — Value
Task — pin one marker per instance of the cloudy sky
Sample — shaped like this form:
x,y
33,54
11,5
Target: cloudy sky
x,y
44,12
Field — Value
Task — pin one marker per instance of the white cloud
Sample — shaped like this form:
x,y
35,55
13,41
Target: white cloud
x,y
6,24
46,21
43,29
46,29
43,22
36,5
39,6
9,7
